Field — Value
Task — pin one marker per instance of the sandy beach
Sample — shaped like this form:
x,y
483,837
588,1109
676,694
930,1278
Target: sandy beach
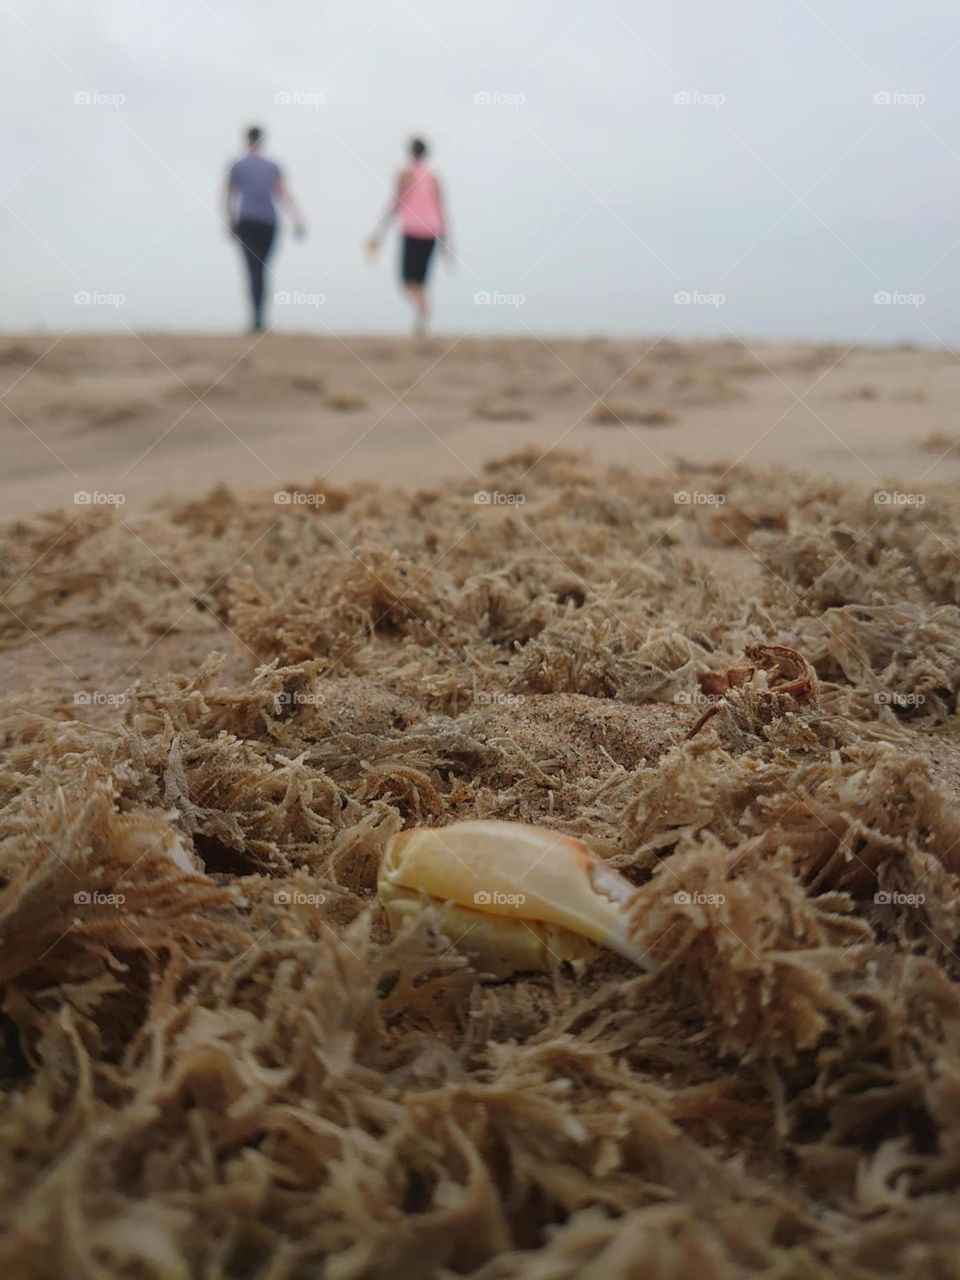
x,y
155,415
694,605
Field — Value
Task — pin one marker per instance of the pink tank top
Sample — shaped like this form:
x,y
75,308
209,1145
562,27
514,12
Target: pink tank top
x,y
419,207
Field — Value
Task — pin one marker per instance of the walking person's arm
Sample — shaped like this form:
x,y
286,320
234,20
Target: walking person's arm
x,y
446,243
380,230
229,198
285,197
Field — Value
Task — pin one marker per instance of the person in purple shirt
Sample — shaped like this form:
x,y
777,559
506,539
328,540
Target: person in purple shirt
x,y
254,187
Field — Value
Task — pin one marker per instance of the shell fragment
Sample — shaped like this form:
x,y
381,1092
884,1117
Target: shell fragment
x,y
517,896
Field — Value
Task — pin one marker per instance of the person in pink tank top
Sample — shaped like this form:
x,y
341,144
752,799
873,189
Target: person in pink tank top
x,y
417,204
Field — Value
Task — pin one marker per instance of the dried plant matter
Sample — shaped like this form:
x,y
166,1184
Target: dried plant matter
x,y
783,671
216,1060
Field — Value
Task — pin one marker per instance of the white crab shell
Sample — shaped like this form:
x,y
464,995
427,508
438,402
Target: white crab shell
x,y
517,896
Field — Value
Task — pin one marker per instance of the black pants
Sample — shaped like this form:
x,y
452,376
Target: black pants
x,y
256,241
415,255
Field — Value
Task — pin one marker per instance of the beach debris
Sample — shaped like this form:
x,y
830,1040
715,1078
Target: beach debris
x,y
785,670
516,896
345,401
612,413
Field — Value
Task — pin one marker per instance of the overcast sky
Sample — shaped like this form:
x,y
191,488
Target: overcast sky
x,y
776,190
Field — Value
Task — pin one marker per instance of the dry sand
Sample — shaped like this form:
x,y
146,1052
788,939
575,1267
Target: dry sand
x,y
120,413
199,1077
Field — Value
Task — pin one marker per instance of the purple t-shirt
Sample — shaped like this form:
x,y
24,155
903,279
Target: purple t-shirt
x,y
254,178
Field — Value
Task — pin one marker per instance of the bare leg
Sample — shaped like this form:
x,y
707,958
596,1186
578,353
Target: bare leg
x,y
421,306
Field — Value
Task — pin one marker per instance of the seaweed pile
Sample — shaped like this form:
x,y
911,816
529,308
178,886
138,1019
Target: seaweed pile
x,y
216,1062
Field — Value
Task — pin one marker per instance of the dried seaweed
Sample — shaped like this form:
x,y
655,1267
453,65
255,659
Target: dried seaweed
x,y
215,1060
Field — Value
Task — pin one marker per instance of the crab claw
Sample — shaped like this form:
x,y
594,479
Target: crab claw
x,y
518,897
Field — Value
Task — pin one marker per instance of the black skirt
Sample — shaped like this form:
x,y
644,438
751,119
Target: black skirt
x,y
415,259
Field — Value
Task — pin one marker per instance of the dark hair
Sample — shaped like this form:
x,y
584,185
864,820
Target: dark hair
x,y
254,135
418,148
